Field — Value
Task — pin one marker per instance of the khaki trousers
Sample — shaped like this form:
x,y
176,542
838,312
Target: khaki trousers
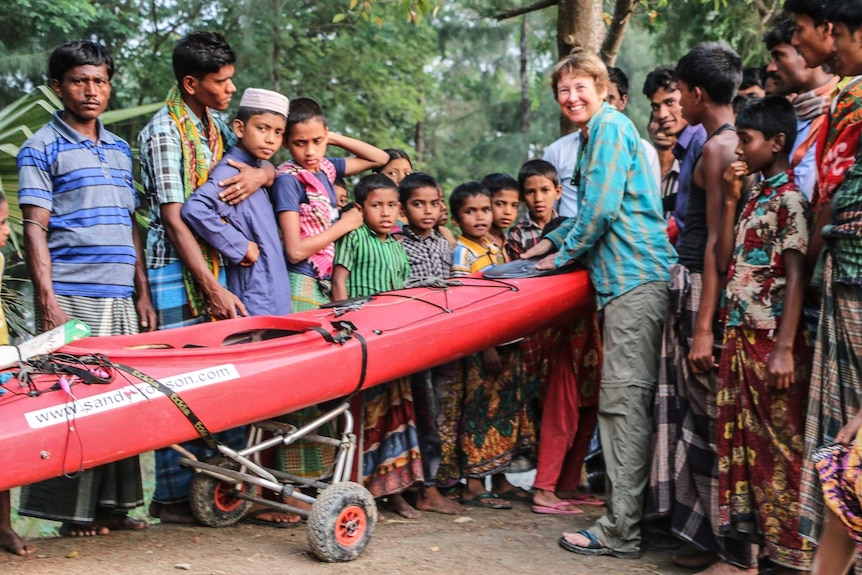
x,y
632,336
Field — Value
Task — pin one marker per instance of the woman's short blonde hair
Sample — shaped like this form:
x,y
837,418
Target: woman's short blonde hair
x,y
581,62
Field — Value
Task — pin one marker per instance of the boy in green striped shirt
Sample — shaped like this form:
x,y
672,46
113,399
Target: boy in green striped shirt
x,y
369,259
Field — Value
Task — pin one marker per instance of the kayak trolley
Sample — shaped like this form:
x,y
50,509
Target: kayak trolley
x,y
343,516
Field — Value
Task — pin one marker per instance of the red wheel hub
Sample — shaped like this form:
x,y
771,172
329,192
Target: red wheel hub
x,y
350,525
224,497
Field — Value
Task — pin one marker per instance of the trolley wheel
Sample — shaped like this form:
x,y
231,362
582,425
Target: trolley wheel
x,y
213,501
341,522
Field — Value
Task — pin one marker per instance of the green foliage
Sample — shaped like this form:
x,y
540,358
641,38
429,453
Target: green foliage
x,y
26,28
369,10
637,62
739,23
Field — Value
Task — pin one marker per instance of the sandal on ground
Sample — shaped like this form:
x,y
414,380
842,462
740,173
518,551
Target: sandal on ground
x,y
253,518
455,492
555,509
585,499
596,548
516,494
486,500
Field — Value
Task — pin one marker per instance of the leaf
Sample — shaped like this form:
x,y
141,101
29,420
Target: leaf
x,y
353,4
339,17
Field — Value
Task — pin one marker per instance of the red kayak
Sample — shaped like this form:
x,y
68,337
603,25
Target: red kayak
x,y
236,372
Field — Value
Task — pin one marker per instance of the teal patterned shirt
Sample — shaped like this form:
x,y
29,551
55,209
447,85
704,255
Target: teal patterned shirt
x,y
619,232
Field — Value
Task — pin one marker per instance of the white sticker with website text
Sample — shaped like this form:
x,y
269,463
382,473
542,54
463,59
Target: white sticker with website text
x,y
77,408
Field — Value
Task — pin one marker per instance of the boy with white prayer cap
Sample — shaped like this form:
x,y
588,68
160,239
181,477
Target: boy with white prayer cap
x,y
246,234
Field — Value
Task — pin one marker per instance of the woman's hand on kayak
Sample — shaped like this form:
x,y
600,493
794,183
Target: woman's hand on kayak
x,y
548,262
537,250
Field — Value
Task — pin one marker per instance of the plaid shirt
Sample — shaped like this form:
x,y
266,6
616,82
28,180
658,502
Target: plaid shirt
x,y
619,232
430,257
161,158
523,236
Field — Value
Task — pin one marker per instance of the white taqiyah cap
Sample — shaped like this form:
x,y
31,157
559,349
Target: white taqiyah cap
x,y
265,100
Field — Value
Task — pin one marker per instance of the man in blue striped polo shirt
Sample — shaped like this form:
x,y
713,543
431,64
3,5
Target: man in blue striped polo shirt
x,y
86,261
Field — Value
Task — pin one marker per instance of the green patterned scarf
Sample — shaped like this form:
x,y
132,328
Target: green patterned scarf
x,y
195,172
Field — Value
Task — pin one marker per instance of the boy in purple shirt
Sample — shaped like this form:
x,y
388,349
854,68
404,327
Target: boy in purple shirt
x,y
246,234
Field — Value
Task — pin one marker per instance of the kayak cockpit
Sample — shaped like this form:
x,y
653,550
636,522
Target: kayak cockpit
x,y
220,334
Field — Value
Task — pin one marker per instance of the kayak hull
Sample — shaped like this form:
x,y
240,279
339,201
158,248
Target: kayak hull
x,y
236,372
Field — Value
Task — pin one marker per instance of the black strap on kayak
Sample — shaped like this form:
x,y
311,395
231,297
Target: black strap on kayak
x,y
347,331
175,398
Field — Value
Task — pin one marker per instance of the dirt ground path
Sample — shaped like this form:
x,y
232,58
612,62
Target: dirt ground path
x,y
492,543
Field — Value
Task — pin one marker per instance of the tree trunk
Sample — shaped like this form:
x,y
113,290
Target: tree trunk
x,y
579,23
419,134
525,82
276,46
619,23
576,25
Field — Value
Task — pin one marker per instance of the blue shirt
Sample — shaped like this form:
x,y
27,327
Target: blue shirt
x,y
688,147
263,287
89,191
619,233
805,172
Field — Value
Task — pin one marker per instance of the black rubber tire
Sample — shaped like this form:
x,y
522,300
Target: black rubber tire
x,y
341,522
210,498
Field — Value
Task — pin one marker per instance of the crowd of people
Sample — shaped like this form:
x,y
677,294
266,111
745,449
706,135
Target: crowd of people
x,y
721,372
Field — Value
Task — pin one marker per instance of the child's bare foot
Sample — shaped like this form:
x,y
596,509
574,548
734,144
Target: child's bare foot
x,y
722,568
397,504
263,515
696,560
121,522
294,502
430,499
12,542
83,530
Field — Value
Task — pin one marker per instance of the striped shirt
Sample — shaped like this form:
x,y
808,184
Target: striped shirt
x,y
375,265
619,233
161,159
429,256
89,191
469,257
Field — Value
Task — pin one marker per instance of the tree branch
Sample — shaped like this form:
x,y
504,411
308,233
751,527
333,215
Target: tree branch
x,y
541,4
623,10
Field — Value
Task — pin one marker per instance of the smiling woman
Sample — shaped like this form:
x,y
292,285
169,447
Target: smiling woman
x,y
620,235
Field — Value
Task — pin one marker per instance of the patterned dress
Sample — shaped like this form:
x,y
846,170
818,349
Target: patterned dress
x,y
391,460
836,380
565,363
485,421
760,427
